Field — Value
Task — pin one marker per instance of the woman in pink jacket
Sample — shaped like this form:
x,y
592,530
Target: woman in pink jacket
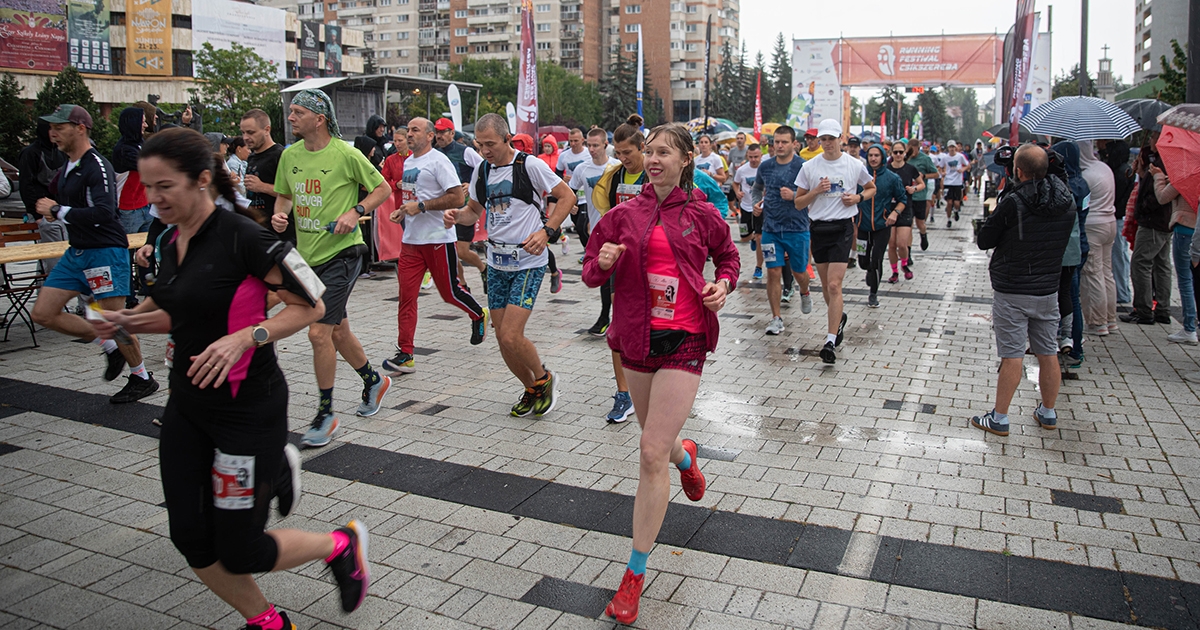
x,y
664,323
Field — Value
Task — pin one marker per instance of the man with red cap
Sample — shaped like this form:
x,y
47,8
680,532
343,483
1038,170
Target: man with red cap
x,y
812,146
464,159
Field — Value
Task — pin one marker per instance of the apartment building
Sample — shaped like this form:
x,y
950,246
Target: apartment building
x,y
1156,23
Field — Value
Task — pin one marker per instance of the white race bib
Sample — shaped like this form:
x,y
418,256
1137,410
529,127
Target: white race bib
x,y
664,290
233,481
505,257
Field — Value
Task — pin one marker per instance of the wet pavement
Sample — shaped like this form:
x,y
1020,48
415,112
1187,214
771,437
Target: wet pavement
x,y
854,495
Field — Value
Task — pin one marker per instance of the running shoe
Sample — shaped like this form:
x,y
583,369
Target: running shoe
x,y
873,301
956,215
1098,331
692,479
1069,361
323,428
624,605
949,224
1162,318
757,272
828,353
556,281
402,363
427,281
136,388
775,327
287,485
372,397
1043,420
894,279
988,423
924,241
287,623
524,406
599,329
805,303
787,294
479,328
547,395
350,567
841,331
908,274
115,363
581,260
1183,336
622,408
753,245
851,263
909,262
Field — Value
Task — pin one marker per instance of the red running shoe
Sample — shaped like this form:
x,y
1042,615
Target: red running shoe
x,y
692,479
624,605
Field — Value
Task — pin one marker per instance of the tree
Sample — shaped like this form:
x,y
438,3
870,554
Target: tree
x,y
1174,74
564,98
965,100
232,81
856,111
780,80
618,91
1068,84
15,124
890,102
935,123
725,88
497,76
68,87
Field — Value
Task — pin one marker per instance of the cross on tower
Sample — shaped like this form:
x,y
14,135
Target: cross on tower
x,y
1105,49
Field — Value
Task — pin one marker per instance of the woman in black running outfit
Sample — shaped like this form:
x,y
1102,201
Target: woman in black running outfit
x,y
224,429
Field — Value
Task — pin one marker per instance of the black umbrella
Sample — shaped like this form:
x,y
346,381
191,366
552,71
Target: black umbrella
x,y
1144,110
1023,133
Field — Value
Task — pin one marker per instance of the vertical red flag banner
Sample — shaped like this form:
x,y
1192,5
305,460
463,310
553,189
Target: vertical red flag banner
x,y
527,82
758,109
883,125
1022,52
906,129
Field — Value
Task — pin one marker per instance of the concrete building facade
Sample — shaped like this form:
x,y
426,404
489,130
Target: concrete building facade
x,y
1156,23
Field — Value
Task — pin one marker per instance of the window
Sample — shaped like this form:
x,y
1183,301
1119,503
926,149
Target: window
x,y
385,3
631,47
674,45
674,26
460,14
403,53
481,48
384,37
501,47
402,35
332,6
631,9
460,50
543,27
542,8
693,8
349,4
384,19
543,45
402,18
403,70
691,28
368,37
692,47
632,28
402,2
676,6
482,11
691,65
460,32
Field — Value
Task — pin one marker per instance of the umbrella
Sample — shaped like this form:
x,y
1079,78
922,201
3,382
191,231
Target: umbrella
x,y
1081,118
1144,110
768,129
1185,116
1001,131
715,125
1180,151
725,137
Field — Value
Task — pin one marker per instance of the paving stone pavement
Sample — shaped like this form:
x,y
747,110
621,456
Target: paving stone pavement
x,y
875,452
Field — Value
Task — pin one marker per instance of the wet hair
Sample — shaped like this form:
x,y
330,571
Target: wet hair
x,y
703,136
631,131
598,132
680,139
785,130
1033,163
578,130
260,117
753,146
236,142
494,122
191,154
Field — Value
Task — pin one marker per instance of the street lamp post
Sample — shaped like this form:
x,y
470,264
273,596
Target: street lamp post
x,y
1083,34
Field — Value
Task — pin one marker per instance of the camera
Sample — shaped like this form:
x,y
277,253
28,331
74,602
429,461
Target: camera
x,y
176,119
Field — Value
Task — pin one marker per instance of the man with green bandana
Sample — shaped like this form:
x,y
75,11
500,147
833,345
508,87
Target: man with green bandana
x,y
318,181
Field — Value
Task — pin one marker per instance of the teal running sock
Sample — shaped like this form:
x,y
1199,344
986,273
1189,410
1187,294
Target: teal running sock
x,y
369,376
637,561
326,404
686,463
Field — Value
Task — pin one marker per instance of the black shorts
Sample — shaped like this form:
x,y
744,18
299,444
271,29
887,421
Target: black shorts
x,y
339,275
905,219
937,186
465,233
832,240
753,223
954,193
919,208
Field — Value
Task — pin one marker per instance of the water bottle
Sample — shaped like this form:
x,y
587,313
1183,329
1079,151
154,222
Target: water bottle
x,y
333,225
566,244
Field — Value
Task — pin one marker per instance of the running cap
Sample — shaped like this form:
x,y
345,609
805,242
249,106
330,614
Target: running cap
x,y
854,140
68,113
828,127
951,143
443,124
812,132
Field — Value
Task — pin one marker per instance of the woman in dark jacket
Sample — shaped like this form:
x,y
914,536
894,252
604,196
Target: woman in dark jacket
x,y
1071,326
876,216
1115,153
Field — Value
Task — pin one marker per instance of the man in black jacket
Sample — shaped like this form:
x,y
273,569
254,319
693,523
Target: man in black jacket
x,y
97,262
38,164
1029,231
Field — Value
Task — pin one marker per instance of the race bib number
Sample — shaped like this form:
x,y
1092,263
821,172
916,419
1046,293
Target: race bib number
x,y
505,257
408,192
233,481
768,250
663,292
99,279
625,192
860,247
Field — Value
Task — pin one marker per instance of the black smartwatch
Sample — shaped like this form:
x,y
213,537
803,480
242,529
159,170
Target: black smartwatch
x,y
552,233
360,209
421,206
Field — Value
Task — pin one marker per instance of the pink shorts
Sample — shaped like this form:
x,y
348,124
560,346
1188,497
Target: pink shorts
x,y
688,358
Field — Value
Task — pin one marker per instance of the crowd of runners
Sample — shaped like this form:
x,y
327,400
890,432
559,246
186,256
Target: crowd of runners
x,y
230,242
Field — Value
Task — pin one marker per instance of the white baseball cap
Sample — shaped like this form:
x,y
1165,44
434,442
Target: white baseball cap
x,y
951,143
829,127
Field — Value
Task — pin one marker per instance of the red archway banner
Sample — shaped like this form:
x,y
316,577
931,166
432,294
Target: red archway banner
x,y
956,60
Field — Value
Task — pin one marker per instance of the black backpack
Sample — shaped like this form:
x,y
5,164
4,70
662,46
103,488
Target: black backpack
x,y
522,185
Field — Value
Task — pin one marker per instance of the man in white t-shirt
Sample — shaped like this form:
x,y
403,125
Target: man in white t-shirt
x,y
828,186
429,186
584,177
953,165
710,162
575,155
513,186
743,190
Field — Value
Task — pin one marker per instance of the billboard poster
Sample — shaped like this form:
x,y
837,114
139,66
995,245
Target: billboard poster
x,y
527,83
87,32
333,50
815,83
224,22
953,60
1023,34
33,35
309,44
148,38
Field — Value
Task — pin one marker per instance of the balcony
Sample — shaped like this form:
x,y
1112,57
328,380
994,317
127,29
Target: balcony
x,y
568,54
487,37
571,34
484,20
427,6
570,16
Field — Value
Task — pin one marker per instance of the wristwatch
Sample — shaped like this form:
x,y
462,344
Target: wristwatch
x,y
360,209
260,336
552,233
420,206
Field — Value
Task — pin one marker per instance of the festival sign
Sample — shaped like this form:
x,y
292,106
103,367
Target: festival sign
x,y
953,60
87,30
33,35
148,38
816,89
225,22
308,41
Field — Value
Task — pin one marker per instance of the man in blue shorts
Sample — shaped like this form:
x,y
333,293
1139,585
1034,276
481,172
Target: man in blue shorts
x,y
784,228
97,262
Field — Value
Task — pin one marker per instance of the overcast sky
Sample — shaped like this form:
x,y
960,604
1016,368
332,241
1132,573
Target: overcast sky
x,y
1111,22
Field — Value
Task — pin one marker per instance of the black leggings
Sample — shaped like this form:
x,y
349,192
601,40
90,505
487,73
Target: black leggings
x,y
581,225
877,242
210,524
606,299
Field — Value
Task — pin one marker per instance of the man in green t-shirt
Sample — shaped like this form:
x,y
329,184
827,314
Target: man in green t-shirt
x,y
921,198
318,180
